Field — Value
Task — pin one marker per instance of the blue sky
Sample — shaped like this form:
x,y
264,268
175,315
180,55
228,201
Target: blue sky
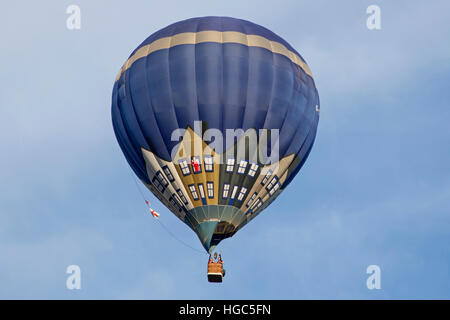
x,y
375,189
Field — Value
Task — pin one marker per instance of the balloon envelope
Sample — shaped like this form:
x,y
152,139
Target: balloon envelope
x,y
192,83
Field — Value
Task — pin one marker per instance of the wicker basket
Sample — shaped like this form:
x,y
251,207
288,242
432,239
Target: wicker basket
x,y
215,272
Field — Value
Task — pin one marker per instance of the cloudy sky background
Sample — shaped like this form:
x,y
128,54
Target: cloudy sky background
x,y
375,189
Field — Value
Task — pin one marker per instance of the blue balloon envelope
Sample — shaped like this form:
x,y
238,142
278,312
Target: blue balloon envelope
x,y
186,90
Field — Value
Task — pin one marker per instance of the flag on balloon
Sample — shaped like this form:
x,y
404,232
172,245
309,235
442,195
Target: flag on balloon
x,y
153,212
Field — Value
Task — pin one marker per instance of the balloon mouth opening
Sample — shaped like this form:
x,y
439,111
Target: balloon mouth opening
x,y
223,230
212,232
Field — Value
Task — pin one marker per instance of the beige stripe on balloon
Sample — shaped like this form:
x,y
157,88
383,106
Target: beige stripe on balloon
x,y
216,37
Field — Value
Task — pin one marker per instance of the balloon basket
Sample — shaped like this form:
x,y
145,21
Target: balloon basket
x,y
215,272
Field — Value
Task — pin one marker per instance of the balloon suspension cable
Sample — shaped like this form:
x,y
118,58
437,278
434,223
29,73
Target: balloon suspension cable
x,y
162,224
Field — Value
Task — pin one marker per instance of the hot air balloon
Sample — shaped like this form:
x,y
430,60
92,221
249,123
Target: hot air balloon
x,y
180,94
